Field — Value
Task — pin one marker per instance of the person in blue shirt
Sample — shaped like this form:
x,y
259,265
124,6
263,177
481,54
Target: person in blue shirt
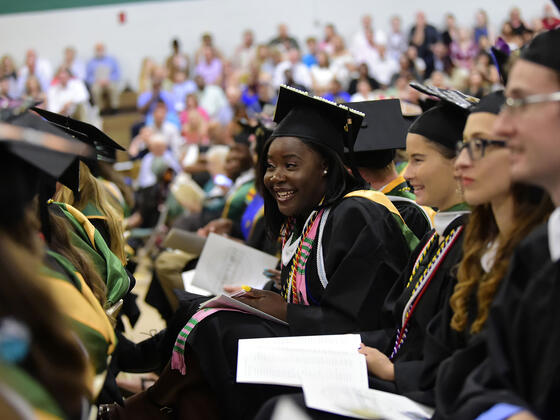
x,y
102,76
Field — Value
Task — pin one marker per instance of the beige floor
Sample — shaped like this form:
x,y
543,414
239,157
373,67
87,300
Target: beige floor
x,y
150,321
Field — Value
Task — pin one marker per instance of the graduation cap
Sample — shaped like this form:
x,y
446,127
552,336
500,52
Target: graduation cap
x,y
451,96
543,50
491,103
81,130
316,120
87,133
383,130
445,122
30,157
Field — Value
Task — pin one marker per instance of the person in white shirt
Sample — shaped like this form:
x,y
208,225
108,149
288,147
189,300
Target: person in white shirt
x,y
167,130
39,67
322,74
245,53
76,66
396,40
158,156
210,97
342,62
384,67
366,38
68,96
364,92
300,71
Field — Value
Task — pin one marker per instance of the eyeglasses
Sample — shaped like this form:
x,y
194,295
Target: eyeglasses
x,y
477,147
515,104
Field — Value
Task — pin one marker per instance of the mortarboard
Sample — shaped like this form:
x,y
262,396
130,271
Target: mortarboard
x,y
104,145
383,130
491,103
450,96
316,120
81,130
29,157
443,123
543,50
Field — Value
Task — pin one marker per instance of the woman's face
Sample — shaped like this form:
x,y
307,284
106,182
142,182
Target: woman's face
x,y
430,173
488,177
295,176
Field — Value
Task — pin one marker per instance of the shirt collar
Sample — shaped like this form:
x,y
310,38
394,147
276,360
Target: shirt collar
x,y
444,218
554,235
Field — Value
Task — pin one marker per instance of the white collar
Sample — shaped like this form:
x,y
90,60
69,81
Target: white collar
x,y
443,219
489,257
554,235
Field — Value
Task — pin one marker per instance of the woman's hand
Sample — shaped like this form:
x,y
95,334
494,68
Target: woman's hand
x,y
266,301
377,363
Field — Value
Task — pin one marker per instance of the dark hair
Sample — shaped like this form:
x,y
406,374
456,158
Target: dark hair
x,y
339,183
445,151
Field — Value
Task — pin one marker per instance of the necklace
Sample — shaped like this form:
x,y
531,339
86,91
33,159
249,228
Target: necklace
x,y
422,284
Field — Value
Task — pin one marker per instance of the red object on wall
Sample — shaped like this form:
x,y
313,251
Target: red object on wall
x,y
122,17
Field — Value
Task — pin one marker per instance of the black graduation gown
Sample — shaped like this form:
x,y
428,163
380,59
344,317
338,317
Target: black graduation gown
x,y
519,364
364,252
409,360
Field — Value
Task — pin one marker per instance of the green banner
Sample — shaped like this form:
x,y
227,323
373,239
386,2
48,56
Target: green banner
x,y
23,6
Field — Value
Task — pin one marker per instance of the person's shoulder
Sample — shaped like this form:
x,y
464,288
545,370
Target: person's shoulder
x,y
537,238
364,202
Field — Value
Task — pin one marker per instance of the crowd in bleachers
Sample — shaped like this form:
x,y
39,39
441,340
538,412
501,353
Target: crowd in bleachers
x,y
370,63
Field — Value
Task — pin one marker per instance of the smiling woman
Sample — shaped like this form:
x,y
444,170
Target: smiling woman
x,y
341,254
295,176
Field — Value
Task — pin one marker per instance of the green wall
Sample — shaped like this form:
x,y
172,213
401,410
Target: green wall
x,y
22,6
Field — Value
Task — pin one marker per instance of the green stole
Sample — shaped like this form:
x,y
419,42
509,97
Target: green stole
x,y
31,391
380,198
86,237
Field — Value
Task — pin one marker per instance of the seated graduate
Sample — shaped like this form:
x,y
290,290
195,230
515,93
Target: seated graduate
x,y
383,131
395,351
518,379
97,227
422,290
342,252
79,187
